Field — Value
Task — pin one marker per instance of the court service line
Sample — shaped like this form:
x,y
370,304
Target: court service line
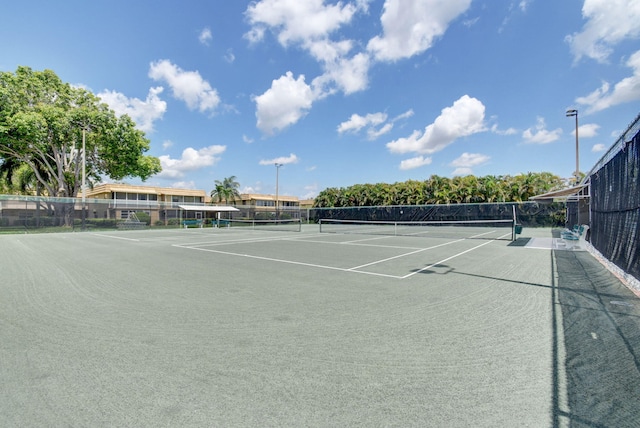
x,y
447,259
241,241
115,237
286,261
356,244
405,254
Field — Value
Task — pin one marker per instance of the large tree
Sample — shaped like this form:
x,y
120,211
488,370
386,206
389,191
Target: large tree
x,y
44,123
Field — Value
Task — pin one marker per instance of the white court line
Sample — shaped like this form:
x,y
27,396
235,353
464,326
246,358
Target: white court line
x,y
356,244
369,239
353,269
286,261
115,237
447,259
242,241
405,254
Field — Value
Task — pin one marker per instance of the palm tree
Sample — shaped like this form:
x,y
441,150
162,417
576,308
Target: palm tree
x,y
226,190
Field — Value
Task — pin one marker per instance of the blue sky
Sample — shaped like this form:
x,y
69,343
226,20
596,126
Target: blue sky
x,y
349,92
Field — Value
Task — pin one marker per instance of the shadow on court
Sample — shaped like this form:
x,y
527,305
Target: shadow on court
x,y
596,343
600,334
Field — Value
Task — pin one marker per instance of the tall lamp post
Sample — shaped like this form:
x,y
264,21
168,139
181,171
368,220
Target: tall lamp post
x,y
278,165
84,181
577,173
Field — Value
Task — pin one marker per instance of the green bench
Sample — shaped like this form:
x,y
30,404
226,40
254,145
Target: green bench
x,y
192,223
575,237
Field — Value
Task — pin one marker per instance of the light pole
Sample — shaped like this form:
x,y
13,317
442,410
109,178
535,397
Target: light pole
x,y
278,165
84,180
577,173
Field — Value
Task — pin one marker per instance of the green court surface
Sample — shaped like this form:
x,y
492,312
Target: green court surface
x,y
235,327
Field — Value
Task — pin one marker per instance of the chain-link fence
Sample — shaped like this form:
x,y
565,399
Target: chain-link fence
x,y
32,213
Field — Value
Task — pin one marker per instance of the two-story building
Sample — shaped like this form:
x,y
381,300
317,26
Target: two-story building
x,y
160,203
264,207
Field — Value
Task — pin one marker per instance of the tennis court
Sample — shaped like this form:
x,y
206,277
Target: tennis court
x,y
243,327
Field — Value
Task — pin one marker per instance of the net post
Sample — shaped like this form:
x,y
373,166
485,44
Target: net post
x,y
513,225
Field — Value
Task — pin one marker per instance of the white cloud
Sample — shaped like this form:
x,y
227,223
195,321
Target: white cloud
x,y
609,22
166,144
462,171
540,135
523,5
413,163
309,24
466,161
626,90
184,185
187,86
373,133
205,36
357,122
376,123
406,115
588,130
311,191
257,188
411,26
297,21
470,160
465,117
508,131
229,56
286,102
598,148
348,74
143,113
281,160
190,160
513,9
246,139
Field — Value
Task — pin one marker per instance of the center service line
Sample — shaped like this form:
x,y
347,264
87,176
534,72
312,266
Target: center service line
x,y
447,259
405,254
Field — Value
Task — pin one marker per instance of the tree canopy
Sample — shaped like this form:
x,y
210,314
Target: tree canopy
x,y
226,190
442,190
42,125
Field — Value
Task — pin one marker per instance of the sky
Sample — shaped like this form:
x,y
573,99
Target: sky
x,y
345,92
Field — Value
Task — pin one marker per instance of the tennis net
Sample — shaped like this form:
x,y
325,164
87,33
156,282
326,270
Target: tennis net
x,y
468,229
285,225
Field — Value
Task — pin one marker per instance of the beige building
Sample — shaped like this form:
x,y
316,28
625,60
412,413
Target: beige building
x,y
161,203
154,205
258,206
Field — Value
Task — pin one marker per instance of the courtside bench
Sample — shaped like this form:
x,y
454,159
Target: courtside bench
x,y
575,237
192,223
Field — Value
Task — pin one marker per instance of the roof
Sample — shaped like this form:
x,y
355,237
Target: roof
x,y
211,208
563,194
260,197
